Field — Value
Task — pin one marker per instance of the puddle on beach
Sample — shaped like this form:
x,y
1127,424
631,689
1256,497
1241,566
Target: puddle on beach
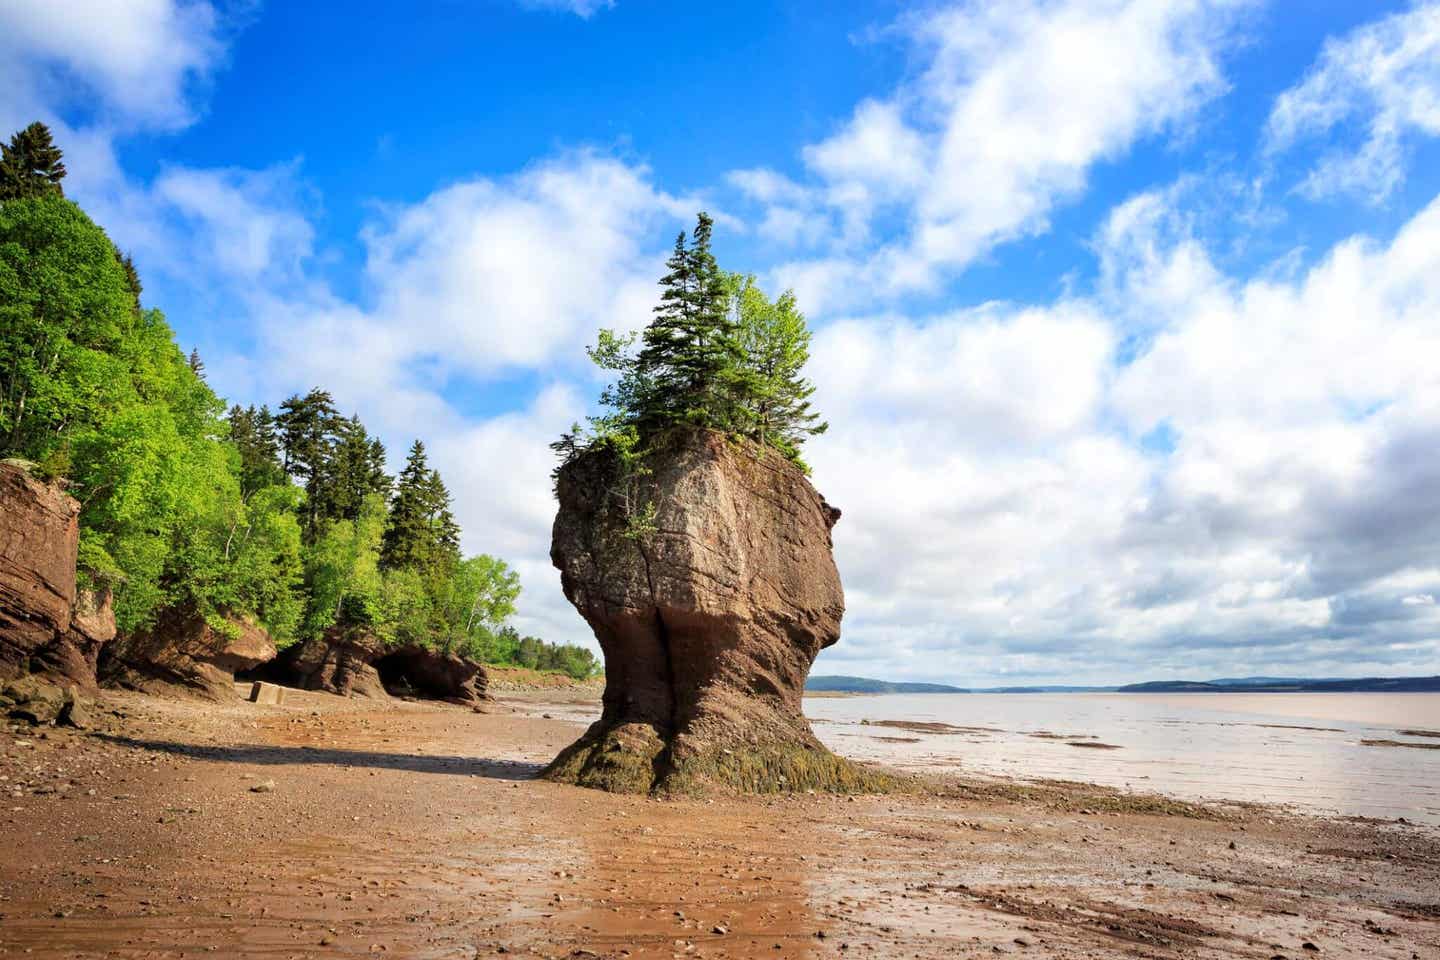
x,y
1343,753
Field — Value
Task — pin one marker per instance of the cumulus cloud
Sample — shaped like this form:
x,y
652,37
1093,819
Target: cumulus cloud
x,y
137,60
1021,527
1015,105
1372,91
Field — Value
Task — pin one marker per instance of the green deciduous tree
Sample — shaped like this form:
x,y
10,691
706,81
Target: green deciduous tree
x,y
773,397
66,321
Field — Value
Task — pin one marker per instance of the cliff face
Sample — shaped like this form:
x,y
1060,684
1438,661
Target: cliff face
x,y
709,622
183,655
46,626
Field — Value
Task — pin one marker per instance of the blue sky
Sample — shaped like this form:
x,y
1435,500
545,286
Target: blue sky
x,y
1125,310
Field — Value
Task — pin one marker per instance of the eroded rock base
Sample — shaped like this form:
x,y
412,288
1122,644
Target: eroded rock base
x,y
634,758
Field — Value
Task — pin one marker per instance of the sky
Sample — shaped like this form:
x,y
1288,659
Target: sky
x,y
1126,312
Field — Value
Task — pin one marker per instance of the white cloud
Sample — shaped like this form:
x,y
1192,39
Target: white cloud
x,y
497,274
585,9
1015,106
1375,88
1003,518
136,60
248,220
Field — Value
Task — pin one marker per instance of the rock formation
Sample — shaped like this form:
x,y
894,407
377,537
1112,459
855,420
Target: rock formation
x,y
184,655
709,621
353,662
416,671
338,663
46,626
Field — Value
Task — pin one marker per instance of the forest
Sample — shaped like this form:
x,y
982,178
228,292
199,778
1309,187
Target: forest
x,y
287,517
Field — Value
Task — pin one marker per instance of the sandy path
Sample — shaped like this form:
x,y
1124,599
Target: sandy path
x,y
414,830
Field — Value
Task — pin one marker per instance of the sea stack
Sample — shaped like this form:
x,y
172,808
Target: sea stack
x,y
709,616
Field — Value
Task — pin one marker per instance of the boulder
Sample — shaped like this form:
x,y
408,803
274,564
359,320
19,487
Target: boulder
x,y
709,620
39,534
338,662
34,700
75,712
182,654
266,693
413,670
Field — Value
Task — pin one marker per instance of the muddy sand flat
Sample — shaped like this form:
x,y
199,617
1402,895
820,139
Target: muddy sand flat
x,y
335,828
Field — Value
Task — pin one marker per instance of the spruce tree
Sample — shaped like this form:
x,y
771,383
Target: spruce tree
x,y
408,537
689,347
30,164
307,441
252,432
357,470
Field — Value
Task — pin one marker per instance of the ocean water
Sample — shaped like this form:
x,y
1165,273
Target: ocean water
x,y
1303,750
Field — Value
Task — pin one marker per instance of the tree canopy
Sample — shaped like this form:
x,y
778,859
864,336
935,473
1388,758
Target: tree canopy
x,y
30,164
717,354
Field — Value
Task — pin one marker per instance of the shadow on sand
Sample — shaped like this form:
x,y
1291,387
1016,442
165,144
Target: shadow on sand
x,y
315,756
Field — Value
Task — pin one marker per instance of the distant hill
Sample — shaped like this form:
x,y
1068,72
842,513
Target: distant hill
x,y
866,685
1043,689
1282,685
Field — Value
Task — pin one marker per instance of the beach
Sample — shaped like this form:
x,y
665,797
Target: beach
x,y
333,827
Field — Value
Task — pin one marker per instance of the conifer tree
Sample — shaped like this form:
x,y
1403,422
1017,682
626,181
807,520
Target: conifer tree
x,y
197,366
30,164
252,432
307,440
408,537
717,354
132,276
357,470
689,346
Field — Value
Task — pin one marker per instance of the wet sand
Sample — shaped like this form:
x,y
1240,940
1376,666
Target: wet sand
x,y
418,830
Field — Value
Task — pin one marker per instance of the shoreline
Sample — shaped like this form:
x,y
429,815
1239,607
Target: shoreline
x,y
419,830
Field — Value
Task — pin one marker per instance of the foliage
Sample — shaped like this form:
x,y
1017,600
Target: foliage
x,y
30,165
420,531
717,354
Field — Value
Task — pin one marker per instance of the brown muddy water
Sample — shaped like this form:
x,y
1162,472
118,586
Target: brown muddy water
x,y
1353,754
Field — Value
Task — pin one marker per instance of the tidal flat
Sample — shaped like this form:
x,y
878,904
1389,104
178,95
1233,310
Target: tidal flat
x,y
327,827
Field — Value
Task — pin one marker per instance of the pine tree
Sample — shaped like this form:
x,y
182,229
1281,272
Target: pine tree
x,y
132,276
30,165
689,347
197,366
253,434
408,537
307,441
357,470
444,530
